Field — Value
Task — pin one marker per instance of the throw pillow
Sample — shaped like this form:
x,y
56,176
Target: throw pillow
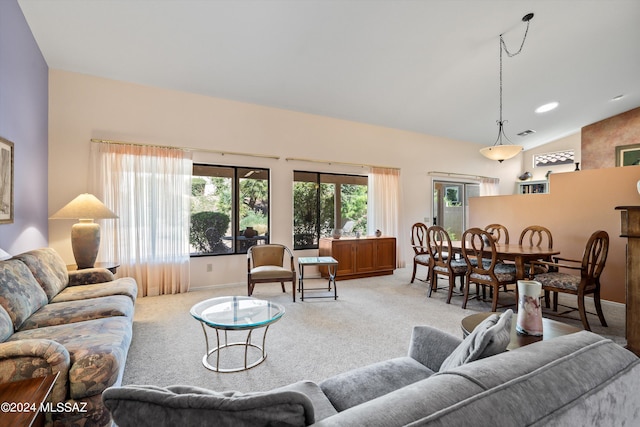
x,y
136,405
490,337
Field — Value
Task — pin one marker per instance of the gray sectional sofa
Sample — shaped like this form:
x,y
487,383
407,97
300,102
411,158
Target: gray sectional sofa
x,y
578,379
76,323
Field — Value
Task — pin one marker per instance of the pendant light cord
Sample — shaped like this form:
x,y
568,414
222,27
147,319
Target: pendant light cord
x,y
503,46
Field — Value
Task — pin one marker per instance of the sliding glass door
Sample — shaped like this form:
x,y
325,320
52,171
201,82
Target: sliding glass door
x,y
451,205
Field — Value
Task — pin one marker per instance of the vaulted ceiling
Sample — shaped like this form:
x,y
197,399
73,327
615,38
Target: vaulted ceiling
x,y
427,66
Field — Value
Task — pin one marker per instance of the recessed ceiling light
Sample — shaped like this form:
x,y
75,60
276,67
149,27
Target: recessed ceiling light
x,y
615,98
547,107
526,132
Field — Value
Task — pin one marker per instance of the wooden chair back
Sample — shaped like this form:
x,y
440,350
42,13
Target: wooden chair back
x,y
595,257
419,238
498,232
439,244
476,245
536,235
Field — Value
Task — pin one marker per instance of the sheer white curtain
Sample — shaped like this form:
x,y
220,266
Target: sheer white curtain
x,y
149,189
489,187
383,207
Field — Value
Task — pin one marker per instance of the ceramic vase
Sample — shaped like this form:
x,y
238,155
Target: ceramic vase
x,y
529,321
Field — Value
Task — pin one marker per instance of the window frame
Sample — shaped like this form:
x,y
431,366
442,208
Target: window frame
x,y
318,199
235,216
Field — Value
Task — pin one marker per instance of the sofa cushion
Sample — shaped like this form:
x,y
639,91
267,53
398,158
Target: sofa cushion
x,y
360,385
490,337
322,407
125,286
6,325
20,294
48,268
97,348
186,405
79,311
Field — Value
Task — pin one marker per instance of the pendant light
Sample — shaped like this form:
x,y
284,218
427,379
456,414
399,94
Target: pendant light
x,y
500,150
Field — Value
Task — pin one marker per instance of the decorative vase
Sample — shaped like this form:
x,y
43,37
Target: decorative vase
x,y
529,320
378,233
250,232
336,233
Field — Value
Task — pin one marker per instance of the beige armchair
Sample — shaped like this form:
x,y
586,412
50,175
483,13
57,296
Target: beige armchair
x,y
266,264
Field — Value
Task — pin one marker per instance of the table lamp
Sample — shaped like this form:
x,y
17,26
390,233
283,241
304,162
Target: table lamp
x,y
85,235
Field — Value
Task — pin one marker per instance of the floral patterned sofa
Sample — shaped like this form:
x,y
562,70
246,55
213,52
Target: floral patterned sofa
x,y
76,323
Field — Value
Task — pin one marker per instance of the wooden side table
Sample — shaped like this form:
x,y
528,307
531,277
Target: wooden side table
x,y
550,329
20,401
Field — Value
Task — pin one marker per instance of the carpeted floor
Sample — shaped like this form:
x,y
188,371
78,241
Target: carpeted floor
x,y
371,321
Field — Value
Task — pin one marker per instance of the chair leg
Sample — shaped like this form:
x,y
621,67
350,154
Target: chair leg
x,y
596,301
555,302
583,312
433,283
249,288
413,277
452,285
546,299
494,300
466,293
282,284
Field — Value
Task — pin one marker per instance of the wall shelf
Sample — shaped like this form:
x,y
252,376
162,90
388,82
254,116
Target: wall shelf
x,y
533,187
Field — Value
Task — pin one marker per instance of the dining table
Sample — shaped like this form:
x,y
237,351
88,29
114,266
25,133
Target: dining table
x,y
519,254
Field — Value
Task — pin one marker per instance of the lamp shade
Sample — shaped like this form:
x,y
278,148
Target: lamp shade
x,y
85,206
501,152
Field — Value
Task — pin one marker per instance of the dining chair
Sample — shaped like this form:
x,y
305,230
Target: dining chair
x,y
483,266
439,244
267,263
420,248
587,282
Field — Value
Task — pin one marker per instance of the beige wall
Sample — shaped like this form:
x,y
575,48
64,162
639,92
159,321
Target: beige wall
x,y
579,204
83,107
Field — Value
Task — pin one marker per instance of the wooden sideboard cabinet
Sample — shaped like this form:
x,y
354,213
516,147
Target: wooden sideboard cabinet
x,y
363,257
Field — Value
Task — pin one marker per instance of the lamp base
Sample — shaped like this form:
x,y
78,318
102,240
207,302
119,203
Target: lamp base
x,y
85,242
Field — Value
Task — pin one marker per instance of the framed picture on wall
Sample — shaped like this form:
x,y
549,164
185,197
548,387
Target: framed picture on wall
x,y
6,181
627,155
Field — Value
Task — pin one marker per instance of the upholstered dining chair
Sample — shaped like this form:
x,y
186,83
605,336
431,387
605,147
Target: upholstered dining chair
x,y
587,282
439,244
421,251
268,263
483,266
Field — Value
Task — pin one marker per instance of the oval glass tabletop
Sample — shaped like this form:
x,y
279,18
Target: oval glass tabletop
x,y
237,312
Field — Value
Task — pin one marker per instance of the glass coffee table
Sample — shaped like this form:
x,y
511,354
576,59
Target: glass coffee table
x,y
235,313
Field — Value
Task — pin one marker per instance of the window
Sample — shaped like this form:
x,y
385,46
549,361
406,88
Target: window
x,y
551,159
229,209
323,201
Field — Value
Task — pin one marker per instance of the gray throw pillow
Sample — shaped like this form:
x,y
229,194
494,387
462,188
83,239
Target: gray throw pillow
x,y
490,337
146,405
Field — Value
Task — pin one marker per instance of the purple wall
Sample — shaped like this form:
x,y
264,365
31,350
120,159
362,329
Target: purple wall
x,y
24,121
